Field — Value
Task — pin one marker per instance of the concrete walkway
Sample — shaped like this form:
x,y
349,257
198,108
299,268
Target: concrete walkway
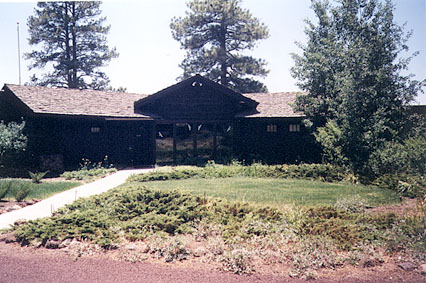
x,y
45,207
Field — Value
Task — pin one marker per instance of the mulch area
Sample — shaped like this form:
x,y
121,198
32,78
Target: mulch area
x,y
407,206
8,206
24,264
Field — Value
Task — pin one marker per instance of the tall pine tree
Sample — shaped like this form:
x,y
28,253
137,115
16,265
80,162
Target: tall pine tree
x,y
73,39
351,69
215,33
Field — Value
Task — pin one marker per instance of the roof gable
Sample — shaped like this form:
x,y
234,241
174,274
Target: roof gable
x,y
196,98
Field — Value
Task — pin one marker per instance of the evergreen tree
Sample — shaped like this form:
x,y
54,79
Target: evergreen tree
x,y
351,70
215,33
73,38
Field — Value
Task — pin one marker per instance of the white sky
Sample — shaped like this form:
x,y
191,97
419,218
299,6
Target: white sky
x,y
149,56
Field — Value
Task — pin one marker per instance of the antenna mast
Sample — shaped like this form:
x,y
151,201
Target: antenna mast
x,y
19,55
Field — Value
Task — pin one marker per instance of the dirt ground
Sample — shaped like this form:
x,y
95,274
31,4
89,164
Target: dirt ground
x,y
23,264
10,205
406,206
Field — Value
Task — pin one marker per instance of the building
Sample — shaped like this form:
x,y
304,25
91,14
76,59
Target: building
x,y
196,119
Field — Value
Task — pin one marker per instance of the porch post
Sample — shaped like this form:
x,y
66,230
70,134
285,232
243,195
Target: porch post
x,y
194,136
214,140
154,142
174,144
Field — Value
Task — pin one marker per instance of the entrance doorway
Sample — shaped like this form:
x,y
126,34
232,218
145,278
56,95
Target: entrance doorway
x,y
193,143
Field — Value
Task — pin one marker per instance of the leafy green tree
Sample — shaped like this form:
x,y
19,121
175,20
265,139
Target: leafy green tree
x,y
12,138
351,70
73,39
215,33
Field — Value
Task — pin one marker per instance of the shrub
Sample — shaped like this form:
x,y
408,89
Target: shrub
x,y
12,138
86,164
21,191
407,234
216,246
89,170
237,261
323,172
406,185
136,212
345,228
82,225
353,204
312,253
365,256
84,174
171,249
5,187
408,156
36,177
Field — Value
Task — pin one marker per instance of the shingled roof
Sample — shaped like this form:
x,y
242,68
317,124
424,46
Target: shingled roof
x,y
63,101
278,104
45,100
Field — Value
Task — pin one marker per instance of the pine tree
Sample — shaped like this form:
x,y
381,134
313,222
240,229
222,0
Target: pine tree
x,y
351,70
73,39
215,33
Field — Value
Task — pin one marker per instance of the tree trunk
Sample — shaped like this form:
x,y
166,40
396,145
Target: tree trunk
x,y
67,47
222,54
74,47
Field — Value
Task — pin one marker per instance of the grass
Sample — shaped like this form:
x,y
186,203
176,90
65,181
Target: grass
x,y
277,192
44,189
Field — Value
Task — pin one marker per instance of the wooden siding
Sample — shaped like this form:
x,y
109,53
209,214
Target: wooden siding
x,y
253,141
124,142
193,104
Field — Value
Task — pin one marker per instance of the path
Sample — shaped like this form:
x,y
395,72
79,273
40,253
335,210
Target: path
x,y
45,207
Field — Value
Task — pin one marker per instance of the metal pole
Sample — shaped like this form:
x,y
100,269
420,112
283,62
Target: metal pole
x,y
19,55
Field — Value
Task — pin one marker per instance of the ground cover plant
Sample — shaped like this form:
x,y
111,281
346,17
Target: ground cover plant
x,y
36,191
87,174
322,172
174,224
89,171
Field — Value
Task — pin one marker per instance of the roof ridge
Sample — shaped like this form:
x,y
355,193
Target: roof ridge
x,y
74,89
277,92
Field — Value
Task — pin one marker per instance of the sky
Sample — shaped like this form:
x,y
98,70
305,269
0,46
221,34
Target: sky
x,y
150,57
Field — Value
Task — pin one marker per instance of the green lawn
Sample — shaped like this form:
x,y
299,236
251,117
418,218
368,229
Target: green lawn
x,y
43,190
277,192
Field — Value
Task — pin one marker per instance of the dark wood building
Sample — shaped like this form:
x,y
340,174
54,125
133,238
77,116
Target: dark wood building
x,y
196,119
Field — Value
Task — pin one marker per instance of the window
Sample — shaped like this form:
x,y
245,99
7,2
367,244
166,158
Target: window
x,y
293,128
271,128
95,129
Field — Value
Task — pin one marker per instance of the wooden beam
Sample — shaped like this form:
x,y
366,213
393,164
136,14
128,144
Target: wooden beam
x,y
214,141
154,142
174,144
194,136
